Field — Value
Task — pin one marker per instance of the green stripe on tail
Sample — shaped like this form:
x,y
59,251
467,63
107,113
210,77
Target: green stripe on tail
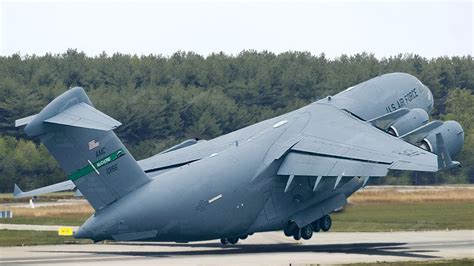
x,y
98,164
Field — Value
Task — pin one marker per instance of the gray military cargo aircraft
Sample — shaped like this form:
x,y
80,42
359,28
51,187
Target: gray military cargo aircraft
x,y
286,173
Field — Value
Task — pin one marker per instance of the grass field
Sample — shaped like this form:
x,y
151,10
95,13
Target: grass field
x,y
410,194
8,197
405,216
74,214
19,238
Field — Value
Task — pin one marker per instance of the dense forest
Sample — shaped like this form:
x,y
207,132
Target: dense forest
x,y
162,100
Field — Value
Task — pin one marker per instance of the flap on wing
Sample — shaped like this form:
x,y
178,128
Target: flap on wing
x,y
338,150
66,185
86,116
305,164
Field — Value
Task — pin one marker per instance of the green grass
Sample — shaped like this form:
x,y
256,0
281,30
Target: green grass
x,y
75,220
463,262
8,197
19,238
405,216
361,217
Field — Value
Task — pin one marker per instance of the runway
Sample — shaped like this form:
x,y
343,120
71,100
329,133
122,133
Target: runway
x,y
34,227
262,248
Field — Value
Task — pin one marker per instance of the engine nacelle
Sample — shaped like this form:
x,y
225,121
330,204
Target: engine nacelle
x,y
453,136
413,119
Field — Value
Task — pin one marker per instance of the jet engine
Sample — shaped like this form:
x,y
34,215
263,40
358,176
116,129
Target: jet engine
x,y
453,136
413,119
425,136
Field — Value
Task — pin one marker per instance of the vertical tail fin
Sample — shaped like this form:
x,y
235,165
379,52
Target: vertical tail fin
x,y
81,139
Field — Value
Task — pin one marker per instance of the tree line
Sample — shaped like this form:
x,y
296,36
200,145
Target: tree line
x,y
162,100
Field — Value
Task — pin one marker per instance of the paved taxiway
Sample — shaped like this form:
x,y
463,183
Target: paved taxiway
x,y
261,248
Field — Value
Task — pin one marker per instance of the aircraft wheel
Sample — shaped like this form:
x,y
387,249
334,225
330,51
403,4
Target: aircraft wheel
x,y
316,226
297,234
224,241
290,228
307,232
243,237
233,240
325,223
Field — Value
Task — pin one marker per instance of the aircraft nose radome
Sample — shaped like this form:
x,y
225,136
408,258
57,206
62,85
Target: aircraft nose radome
x,y
430,100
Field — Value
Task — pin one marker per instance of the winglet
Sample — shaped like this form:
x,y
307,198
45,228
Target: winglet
x,y
444,159
17,191
78,193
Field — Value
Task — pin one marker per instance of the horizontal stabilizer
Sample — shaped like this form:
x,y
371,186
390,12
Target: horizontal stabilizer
x,y
85,116
24,121
63,186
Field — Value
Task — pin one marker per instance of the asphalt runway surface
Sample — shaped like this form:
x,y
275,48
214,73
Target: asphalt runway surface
x,y
260,248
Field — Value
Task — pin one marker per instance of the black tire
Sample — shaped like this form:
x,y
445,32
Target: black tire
x,y
325,223
290,228
224,241
233,240
316,226
297,234
307,232
243,237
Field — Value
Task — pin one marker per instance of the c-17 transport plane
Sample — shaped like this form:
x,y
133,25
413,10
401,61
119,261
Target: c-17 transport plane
x,y
286,173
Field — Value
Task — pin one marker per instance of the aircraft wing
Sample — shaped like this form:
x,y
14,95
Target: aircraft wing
x,y
62,186
336,143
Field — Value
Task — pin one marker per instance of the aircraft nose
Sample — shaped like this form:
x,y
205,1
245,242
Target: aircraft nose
x,y
430,99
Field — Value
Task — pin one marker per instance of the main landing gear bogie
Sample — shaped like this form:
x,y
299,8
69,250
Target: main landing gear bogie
x,y
325,223
306,232
233,240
